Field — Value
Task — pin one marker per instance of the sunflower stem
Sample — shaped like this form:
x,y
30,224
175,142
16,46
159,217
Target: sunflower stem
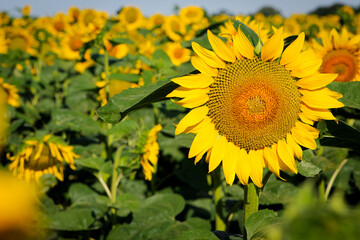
x,y
251,202
333,177
218,196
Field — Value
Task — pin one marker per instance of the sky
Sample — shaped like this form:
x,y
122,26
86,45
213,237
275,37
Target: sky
x,y
166,7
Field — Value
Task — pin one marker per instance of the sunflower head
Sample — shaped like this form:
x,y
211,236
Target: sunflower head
x,y
174,27
340,53
26,10
253,104
191,14
131,18
177,53
44,156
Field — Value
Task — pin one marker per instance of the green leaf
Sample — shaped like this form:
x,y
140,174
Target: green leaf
x,y
257,223
277,192
71,220
249,33
117,41
350,92
64,119
343,136
197,234
306,167
126,203
125,77
134,98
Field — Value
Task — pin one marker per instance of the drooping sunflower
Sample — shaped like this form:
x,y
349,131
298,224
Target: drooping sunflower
x,y
150,154
39,157
340,54
252,107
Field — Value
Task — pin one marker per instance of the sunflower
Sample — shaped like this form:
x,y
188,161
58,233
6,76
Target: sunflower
x,y
11,92
20,39
131,18
39,157
174,28
191,14
150,154
177,53
340,54
252,107
26,11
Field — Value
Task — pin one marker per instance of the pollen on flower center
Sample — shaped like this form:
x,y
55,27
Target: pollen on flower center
x,y
254,103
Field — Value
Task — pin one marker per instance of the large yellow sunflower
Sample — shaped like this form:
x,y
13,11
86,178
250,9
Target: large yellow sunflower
x,y
340,54
253,108
42,157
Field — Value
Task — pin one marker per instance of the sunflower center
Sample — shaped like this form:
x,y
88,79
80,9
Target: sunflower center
x,y
131,16
76,44
18,43
342,62
43,162
254,103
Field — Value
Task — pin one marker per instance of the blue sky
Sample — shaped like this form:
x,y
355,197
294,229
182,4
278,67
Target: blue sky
x,y
166,7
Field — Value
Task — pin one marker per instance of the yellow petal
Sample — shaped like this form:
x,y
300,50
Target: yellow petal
x,y
293,50
192,118
335,37
193,101
303,138
194,81
217,153
316,81
182,92
319,99
273,48
229,163
286,155
243,166
272,160
201,65
220,48
256,172
208,56
295,148
316,114
205,137
243,45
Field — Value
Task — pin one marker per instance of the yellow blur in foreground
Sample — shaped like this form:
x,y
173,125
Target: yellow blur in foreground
x,y
17,208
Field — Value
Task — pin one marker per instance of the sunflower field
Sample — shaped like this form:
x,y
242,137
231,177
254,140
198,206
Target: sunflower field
x,y
189,126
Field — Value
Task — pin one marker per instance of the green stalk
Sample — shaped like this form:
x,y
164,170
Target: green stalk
x,y
251,202
218,195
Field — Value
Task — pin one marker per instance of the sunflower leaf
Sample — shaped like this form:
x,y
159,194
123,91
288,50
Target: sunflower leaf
x,y
342,135
350,92
257,223
134,78
126,101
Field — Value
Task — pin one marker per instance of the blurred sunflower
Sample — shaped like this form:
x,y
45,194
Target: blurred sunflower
x,y
252,110
150,154
174,27
340,54
39,157
191,14
26,11
20,39
177,53
131,18
11,93
17,208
